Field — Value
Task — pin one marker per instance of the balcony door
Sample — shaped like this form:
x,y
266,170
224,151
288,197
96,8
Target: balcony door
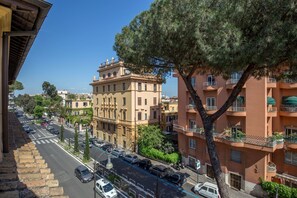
x,y
211,103
291,131
210,80
192,124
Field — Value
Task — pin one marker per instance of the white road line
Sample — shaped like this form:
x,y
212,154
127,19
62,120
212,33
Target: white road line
x,y
33,142
42,141
56,140
39,135
37,142
46,141
52,141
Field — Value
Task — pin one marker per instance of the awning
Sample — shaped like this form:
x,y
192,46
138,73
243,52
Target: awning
x,y
270,101
290,101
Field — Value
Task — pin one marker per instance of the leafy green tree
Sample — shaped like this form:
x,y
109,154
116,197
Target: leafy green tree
x,y
16,86
62,133
38,111
257,38
150,136
87,148
72,96
39,100
49,89
76,141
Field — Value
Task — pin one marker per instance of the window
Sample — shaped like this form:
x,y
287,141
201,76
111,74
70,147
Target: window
x,y
104,137
98,112
114,127
96,100
290,158
145,116
291,132
139,100
211,103
124,101
97,89
104,76
108,126
155,100
192,143
108,88
145,101
139,87
124,115
155,87
145,87
103,88
155,114
235,156
76,104
114,100
193,81
109,113
108,100
124,143
114,74
192,124
103,125
211,80
115,114
85,104
109,138
235,181
124,131
209,171
108,75
124,86
114,87
139,115
115,140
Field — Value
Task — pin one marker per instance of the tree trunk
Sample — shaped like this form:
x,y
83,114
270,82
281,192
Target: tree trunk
x,y
214,159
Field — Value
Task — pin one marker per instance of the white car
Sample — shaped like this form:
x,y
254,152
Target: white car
x,y
118,152
105,189
207,189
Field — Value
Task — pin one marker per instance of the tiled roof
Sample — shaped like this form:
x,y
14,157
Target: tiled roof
x,y
23,171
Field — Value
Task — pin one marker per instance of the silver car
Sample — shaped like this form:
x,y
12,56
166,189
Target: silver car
x,y
131,158
118,152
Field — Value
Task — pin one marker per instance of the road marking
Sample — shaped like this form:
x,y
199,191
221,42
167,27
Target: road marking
x,y
56,140
52,141
33,142
46,141
39,135
37,142
42,141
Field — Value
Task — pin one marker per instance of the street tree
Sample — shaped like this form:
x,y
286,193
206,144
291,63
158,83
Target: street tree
x,y
49,89
87,148
38,111
150,136
62,133
257,38
76,141
16,85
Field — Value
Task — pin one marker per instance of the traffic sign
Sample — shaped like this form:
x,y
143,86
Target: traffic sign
x,y
198,166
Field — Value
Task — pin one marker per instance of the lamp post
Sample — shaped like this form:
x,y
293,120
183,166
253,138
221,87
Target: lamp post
x,y
108,166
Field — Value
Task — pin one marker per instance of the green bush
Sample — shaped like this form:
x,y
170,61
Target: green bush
x,y
156,154
283,191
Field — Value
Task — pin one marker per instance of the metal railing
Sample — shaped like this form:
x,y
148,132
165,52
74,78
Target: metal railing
x,y
289,81
291,139
207,84
185,129
271,109
236,109
232,81
210,108
190,107
271,80
289,108
271,167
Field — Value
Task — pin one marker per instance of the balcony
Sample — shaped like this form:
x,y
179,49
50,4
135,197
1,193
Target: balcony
x,y
236,111
210,86
288,111
191,108
271,111
109,120
210,109
188,131
271,83
288,84
291,141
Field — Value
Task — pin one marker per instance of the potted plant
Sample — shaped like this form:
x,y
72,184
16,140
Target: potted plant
x,y
278,137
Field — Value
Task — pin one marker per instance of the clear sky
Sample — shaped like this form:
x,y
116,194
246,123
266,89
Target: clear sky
x,y
74,39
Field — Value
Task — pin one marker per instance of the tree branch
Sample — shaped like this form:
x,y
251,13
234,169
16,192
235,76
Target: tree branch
x,y
236,90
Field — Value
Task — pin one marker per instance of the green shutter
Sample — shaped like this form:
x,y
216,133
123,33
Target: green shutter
x,y
270,101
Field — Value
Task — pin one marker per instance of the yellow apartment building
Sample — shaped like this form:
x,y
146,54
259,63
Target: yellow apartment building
x,y
256,137
78,106
122,101
169,111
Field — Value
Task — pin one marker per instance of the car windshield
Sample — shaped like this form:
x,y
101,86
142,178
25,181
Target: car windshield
x,y
85,172
108,187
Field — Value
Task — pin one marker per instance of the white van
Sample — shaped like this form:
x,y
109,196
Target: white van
x,y
105,189
207,189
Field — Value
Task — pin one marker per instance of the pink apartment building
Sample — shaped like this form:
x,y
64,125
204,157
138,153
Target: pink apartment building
x,y
256,137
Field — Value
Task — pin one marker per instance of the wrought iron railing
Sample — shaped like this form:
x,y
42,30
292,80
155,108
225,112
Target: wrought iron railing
x,y
232,81
210,108
236,109
289,108
207,84
271,80
271,167
291,139
190,107
289,81
271,109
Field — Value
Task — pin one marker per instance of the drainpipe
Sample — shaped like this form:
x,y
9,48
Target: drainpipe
x,y
5,62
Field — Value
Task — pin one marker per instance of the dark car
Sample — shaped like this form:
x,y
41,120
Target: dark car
x,y
176,178
145,164
83,144
55,131
83,174
107,147
160,171
27,128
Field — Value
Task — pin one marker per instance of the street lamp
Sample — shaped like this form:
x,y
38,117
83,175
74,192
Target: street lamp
x,y
108,166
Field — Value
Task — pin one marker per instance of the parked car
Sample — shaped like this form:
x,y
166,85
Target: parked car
x,y
83,144
44,124
83,174
131,158
118,152
207,189
105,189
49,128
160,170
55,131
107,147
27,128
176,178
145,164
99,143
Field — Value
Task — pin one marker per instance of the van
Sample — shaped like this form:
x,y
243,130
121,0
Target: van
x,y
207,189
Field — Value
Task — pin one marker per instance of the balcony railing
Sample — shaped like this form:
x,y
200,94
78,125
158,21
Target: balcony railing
x,y
271,109
236,109
207,84
271,167
289,81
190,107
271,80
185,129
289,108
291,139
231,81
210,108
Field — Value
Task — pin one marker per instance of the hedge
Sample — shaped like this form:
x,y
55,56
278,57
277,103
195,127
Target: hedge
x,y
156,154
283,191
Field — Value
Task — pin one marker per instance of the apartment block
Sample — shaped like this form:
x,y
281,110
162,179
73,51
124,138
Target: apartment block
x,y
78,106
169,110
122,101
255,138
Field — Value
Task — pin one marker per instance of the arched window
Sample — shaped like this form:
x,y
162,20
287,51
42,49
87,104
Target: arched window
x,y
114,74
108,75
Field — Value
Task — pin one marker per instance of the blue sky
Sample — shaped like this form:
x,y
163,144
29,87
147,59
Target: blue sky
x,y
75,38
